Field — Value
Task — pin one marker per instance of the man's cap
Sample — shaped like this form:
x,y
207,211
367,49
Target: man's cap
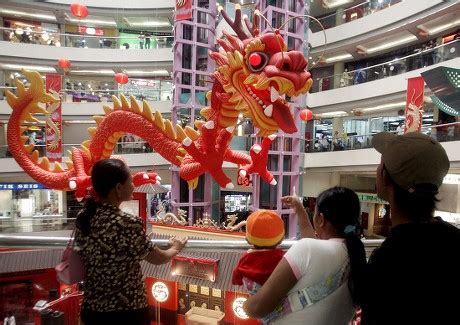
x,y
264,228
412,159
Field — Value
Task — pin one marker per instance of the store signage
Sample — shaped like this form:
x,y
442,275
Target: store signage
x,y
21,186
54,121
160,291
201,268
237,307
371,198
91,30
183,10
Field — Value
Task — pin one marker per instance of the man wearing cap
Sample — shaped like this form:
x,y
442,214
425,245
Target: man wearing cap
x,y
412,277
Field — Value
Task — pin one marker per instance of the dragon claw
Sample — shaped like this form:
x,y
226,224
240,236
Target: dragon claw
x,y
80,185
187,142
72,184
142,178
256,148
230,186
209,125
272,137
273,182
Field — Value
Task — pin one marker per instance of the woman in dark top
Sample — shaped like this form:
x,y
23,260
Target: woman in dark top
x,y
112,244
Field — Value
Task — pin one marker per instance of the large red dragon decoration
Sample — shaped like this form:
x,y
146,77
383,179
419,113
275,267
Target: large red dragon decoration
x,y
254,73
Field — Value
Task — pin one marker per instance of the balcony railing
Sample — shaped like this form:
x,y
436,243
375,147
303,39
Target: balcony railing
x,y
193,245
391,68
442,133
85,41
350,14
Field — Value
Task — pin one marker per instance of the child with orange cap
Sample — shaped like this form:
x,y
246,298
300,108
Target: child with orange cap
x,y
264,230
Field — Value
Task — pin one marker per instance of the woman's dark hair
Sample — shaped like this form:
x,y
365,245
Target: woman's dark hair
x,y
340,206
105,175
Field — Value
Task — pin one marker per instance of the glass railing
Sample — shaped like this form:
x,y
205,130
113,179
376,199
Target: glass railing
x,y
243,143
36,223
343,16
394,67
442,133
105,95
86,41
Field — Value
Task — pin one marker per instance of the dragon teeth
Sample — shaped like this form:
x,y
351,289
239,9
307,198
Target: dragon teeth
x,y
268,111
274,95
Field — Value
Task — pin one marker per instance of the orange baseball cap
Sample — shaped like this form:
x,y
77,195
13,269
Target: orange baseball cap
x,y
264,228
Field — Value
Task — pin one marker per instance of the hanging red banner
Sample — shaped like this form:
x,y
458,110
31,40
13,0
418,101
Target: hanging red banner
x,y
183,10
414,104
54,121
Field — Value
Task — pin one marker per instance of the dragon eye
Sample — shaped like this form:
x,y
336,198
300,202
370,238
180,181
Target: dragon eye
x,y
257,61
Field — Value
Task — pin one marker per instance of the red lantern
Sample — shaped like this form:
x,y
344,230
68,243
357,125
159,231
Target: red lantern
x,y
64,64
306,115
79,10
121,78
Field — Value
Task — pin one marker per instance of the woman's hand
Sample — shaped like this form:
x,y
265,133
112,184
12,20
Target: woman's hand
x,y
177,243
291,201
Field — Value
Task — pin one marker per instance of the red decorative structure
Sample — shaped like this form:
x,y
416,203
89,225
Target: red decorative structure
x,y
252,79
79,10
121,78
64,64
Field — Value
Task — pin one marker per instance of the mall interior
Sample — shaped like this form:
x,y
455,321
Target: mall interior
x,y
361,55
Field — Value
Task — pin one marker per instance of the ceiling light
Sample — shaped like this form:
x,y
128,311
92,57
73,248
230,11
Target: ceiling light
x,y
146,72
103,71
28,67
98,22
439,28
388,45
382,107
332,4
339,57
333,114
27,14
151,24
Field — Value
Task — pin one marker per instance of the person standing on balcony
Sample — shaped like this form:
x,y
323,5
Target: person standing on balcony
x,y
112,244
147,40
411,277
141,40
320,278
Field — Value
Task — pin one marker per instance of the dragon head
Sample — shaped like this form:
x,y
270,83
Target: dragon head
x,y
257,72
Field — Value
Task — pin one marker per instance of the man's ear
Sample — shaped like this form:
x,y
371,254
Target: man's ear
x,y
320,220
386,177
